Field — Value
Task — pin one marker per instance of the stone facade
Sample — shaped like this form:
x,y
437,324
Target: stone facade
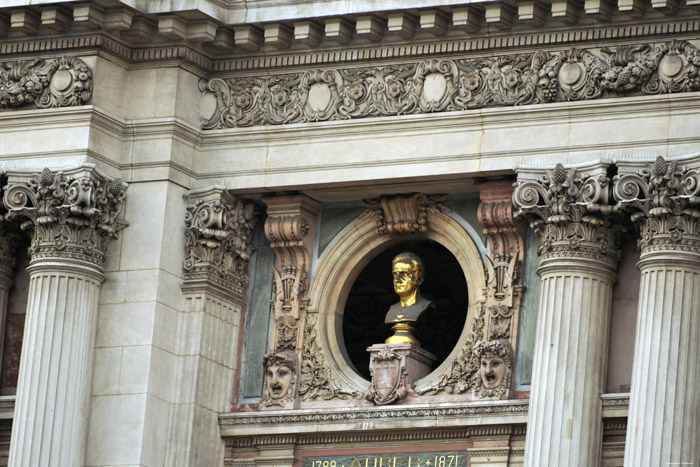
x,y
200,207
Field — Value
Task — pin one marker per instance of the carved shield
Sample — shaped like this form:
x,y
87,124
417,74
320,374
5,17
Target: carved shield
x,y
386,376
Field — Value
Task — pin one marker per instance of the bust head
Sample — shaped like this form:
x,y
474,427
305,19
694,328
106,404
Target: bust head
x,y
408,272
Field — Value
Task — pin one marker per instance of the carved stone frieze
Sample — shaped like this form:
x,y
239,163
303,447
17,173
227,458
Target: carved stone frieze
x,y
218,238
570,210
316,377
288,226
404,214
439,85
664,202
61,82
281,378
495,369
69,215
504,263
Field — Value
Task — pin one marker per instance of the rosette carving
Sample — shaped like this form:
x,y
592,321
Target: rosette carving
x,y
62,82
453,84
570,212
219,238
664,202
69,216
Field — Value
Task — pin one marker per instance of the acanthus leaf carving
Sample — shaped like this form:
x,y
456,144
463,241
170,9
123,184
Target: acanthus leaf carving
x,y
439,85
218,238
61,82
664,202
69,216
570,211
404,214
316,378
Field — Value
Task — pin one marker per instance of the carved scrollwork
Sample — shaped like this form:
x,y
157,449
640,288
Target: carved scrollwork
x,y
449,85
570,212
287,227
663,199
404,214
503,289
218,238
62,82
69,216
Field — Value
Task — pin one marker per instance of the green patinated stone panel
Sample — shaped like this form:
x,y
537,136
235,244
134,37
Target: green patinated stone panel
x,y
528,313
403,459
333,220
258,318
467,208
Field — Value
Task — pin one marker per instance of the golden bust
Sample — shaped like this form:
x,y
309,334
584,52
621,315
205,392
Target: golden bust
x,y
408,273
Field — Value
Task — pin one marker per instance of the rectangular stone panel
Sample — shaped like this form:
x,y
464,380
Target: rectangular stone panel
x,y
404,459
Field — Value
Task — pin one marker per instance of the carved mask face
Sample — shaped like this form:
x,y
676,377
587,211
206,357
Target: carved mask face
x,y
279,380
404,279
492,370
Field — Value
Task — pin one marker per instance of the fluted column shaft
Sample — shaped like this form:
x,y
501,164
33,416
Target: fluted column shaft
x,y
662,427
565,422
663,198
578,245
53,388
71,217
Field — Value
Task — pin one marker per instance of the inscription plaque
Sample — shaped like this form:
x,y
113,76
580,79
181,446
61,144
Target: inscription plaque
x,y
404,459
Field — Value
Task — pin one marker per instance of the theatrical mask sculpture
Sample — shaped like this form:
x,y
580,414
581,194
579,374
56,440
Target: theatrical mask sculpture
x,y
495,368
280,377
408,273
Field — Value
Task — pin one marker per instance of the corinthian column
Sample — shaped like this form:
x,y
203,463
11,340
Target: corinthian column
x,y
662,426
578,262
71,217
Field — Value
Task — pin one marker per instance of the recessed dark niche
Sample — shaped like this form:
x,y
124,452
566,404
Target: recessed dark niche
x,y
438,330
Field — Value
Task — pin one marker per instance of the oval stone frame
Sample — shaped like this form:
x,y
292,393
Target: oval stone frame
x,y
345,259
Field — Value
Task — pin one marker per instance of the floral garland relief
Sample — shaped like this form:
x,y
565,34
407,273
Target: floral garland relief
x,y
61,82
439,85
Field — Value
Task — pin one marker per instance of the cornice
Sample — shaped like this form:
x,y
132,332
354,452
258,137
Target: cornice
x,y
211,41
346,417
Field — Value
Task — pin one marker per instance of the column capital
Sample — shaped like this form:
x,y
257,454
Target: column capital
x,y
219,240
71,215
663,198
570,212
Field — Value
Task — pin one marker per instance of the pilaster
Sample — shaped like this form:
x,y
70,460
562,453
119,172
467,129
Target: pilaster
x,y
219,233
290,228
665,398
578,252
504,263
71,218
